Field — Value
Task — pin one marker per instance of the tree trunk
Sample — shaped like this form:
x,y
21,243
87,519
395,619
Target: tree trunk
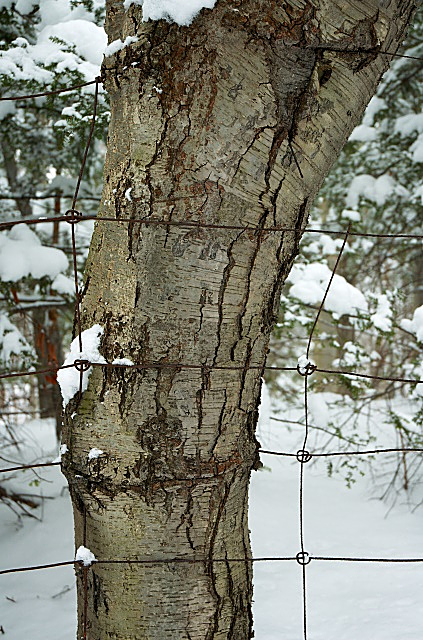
x,y
48,347
11,170
204,121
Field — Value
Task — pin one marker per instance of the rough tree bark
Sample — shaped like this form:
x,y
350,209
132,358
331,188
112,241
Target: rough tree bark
x,y
203,122
48,347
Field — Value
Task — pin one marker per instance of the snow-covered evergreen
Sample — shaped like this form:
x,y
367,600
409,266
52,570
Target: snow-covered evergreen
x,y
373,314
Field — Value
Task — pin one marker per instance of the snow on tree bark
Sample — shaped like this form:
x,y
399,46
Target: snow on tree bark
x,y
203,122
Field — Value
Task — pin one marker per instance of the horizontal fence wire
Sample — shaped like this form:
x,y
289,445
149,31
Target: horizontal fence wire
x,y
53,92
323,47
303,456
208,561
30,466
74,217
46,196
329,454
84,365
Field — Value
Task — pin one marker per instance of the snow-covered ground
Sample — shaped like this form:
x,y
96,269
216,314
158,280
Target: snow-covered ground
x,y
38,604
346,601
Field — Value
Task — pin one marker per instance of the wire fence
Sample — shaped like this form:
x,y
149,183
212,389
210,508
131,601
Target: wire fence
x,y
303,455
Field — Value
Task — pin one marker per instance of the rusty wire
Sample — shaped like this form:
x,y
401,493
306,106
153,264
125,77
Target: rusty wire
x,y
323,47
53,92
30,466
320,309
329,454
84,365
85,610
288,454
207,560
73,215
34,196
303,456
70,216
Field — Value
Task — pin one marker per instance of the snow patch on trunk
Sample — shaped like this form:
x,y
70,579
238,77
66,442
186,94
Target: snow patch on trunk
x,y
94,453
85,556
182,12
68,379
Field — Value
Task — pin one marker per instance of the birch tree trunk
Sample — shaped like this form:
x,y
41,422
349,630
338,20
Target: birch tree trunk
x,y
203,123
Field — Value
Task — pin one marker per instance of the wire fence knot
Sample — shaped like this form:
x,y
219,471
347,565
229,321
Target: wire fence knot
x,y
82,365
303,456
306,370
72,216
303,558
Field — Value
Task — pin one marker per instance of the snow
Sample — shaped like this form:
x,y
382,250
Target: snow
x,y
55,11
363,133
409,124
417,149
42,598
352,215
69,379
71,111
85,556
25,6
21,254
325,245
127,3
18,63
344,600
7,108
62,451
88,39
11,340
118,45
85,40
182,12
382,318
415,325
64,285
351,355
123,361
419,194
94,453
376,190
309,283
375,105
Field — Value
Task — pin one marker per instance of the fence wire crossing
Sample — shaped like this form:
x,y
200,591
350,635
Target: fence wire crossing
x,y
73,216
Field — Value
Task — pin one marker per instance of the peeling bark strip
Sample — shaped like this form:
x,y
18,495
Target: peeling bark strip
x,y
205,118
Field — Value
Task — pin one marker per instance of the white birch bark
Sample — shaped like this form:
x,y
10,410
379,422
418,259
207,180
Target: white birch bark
x,y
202,123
